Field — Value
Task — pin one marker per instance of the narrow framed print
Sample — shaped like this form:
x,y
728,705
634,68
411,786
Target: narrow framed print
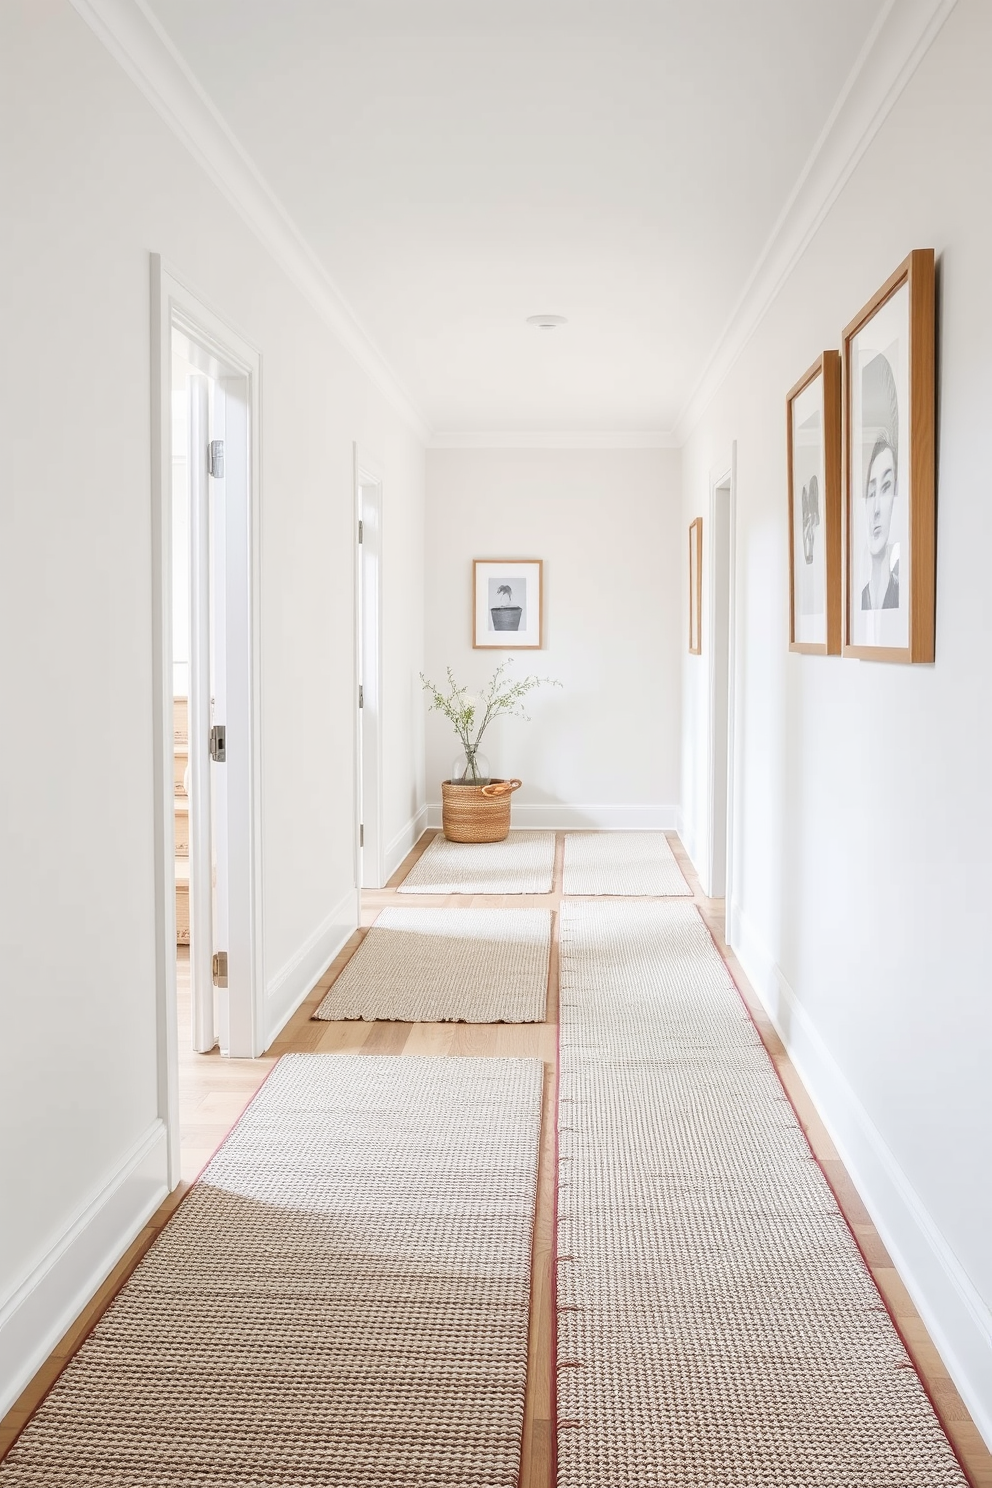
x,y
814,451
696,587
507,603
889,512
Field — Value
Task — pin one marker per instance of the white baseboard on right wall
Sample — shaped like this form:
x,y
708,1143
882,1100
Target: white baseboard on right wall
x,y
956,1316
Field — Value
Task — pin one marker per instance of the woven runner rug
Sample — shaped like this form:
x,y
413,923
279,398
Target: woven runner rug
x,y
621,863
522,864
717,1325
436,965
341,1302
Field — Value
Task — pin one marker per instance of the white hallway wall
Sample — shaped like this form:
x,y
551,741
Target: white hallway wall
x,y
100,183
603,750
864,814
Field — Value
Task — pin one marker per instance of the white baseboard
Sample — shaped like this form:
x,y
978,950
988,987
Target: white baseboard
x,y
41,1308
288,988
405,839
957,1318
687,837
562,818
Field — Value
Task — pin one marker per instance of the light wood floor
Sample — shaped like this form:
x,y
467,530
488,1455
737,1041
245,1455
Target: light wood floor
x,y
214,1092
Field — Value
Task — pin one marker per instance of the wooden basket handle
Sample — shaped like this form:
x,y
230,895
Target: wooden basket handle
x,y
501,787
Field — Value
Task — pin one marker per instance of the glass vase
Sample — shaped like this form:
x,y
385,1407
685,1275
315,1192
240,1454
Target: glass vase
x,y
471,768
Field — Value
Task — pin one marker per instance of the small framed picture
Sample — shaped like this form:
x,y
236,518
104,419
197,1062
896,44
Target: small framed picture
x,y
889,511
696,587
814,451
507,603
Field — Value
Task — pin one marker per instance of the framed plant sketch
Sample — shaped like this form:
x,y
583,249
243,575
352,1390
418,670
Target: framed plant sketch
x,y
889,513
814,450
506,603
696,587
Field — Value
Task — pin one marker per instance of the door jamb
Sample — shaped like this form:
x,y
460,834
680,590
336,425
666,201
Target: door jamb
x,y
720,479
174,303
369,859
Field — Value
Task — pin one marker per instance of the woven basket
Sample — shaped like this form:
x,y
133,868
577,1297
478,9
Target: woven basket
x,y
477,813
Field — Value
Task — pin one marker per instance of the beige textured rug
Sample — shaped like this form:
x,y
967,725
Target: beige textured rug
x,y
341,1302
621,863
523,864
437,965
718,1327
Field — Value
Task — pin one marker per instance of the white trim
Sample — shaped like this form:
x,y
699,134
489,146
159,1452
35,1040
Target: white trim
x,y
955,1315
723,478
687,837
139,44
893,50
40,1309
406,838
369,722
297,978
549,439
173,303
562,818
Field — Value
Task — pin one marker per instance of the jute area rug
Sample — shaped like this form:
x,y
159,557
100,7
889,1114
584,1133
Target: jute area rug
x,y
621,863
522,864
341,1301
436,965
718,1326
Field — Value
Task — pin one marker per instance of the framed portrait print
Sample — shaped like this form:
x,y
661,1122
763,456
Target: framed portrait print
x,y
696,587
506,603
889,514
814,449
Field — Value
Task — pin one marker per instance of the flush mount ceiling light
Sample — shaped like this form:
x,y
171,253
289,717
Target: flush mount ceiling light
x,y
546,322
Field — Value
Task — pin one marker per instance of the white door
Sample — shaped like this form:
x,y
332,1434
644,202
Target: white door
x,y
208,898
371,869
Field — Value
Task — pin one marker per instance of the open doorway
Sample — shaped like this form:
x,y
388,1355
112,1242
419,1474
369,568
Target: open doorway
x,y
721,628
368,492
206,695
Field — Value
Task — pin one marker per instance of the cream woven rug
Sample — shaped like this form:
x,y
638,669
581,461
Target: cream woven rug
x,y
437,965
523,864
341,1302
621,863
718,1327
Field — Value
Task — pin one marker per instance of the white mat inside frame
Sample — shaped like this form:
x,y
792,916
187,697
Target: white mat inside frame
x,y
447,965
524,863
622,863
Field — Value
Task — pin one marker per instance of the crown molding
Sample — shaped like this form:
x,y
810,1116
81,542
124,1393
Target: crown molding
x,y
894,48
549,439
137,42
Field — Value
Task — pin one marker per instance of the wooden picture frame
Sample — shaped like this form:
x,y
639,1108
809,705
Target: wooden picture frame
x,y
889,464
696,587
507,604
813,442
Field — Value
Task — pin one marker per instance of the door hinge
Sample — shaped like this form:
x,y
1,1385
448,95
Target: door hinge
x,y
361,530
361,695
215,456
361,835
220,968
218,743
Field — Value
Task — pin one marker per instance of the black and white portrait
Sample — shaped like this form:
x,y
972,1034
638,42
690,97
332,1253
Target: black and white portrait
x,y
809,563
879,409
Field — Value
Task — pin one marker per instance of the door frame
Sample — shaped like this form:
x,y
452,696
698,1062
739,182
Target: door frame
x,y
370,857
723,477
174,305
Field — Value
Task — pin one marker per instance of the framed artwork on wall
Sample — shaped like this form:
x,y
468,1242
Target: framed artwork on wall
x,y
506,603
696,587
814,452
889,511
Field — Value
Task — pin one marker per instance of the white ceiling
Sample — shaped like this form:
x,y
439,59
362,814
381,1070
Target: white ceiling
x,y
457,167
